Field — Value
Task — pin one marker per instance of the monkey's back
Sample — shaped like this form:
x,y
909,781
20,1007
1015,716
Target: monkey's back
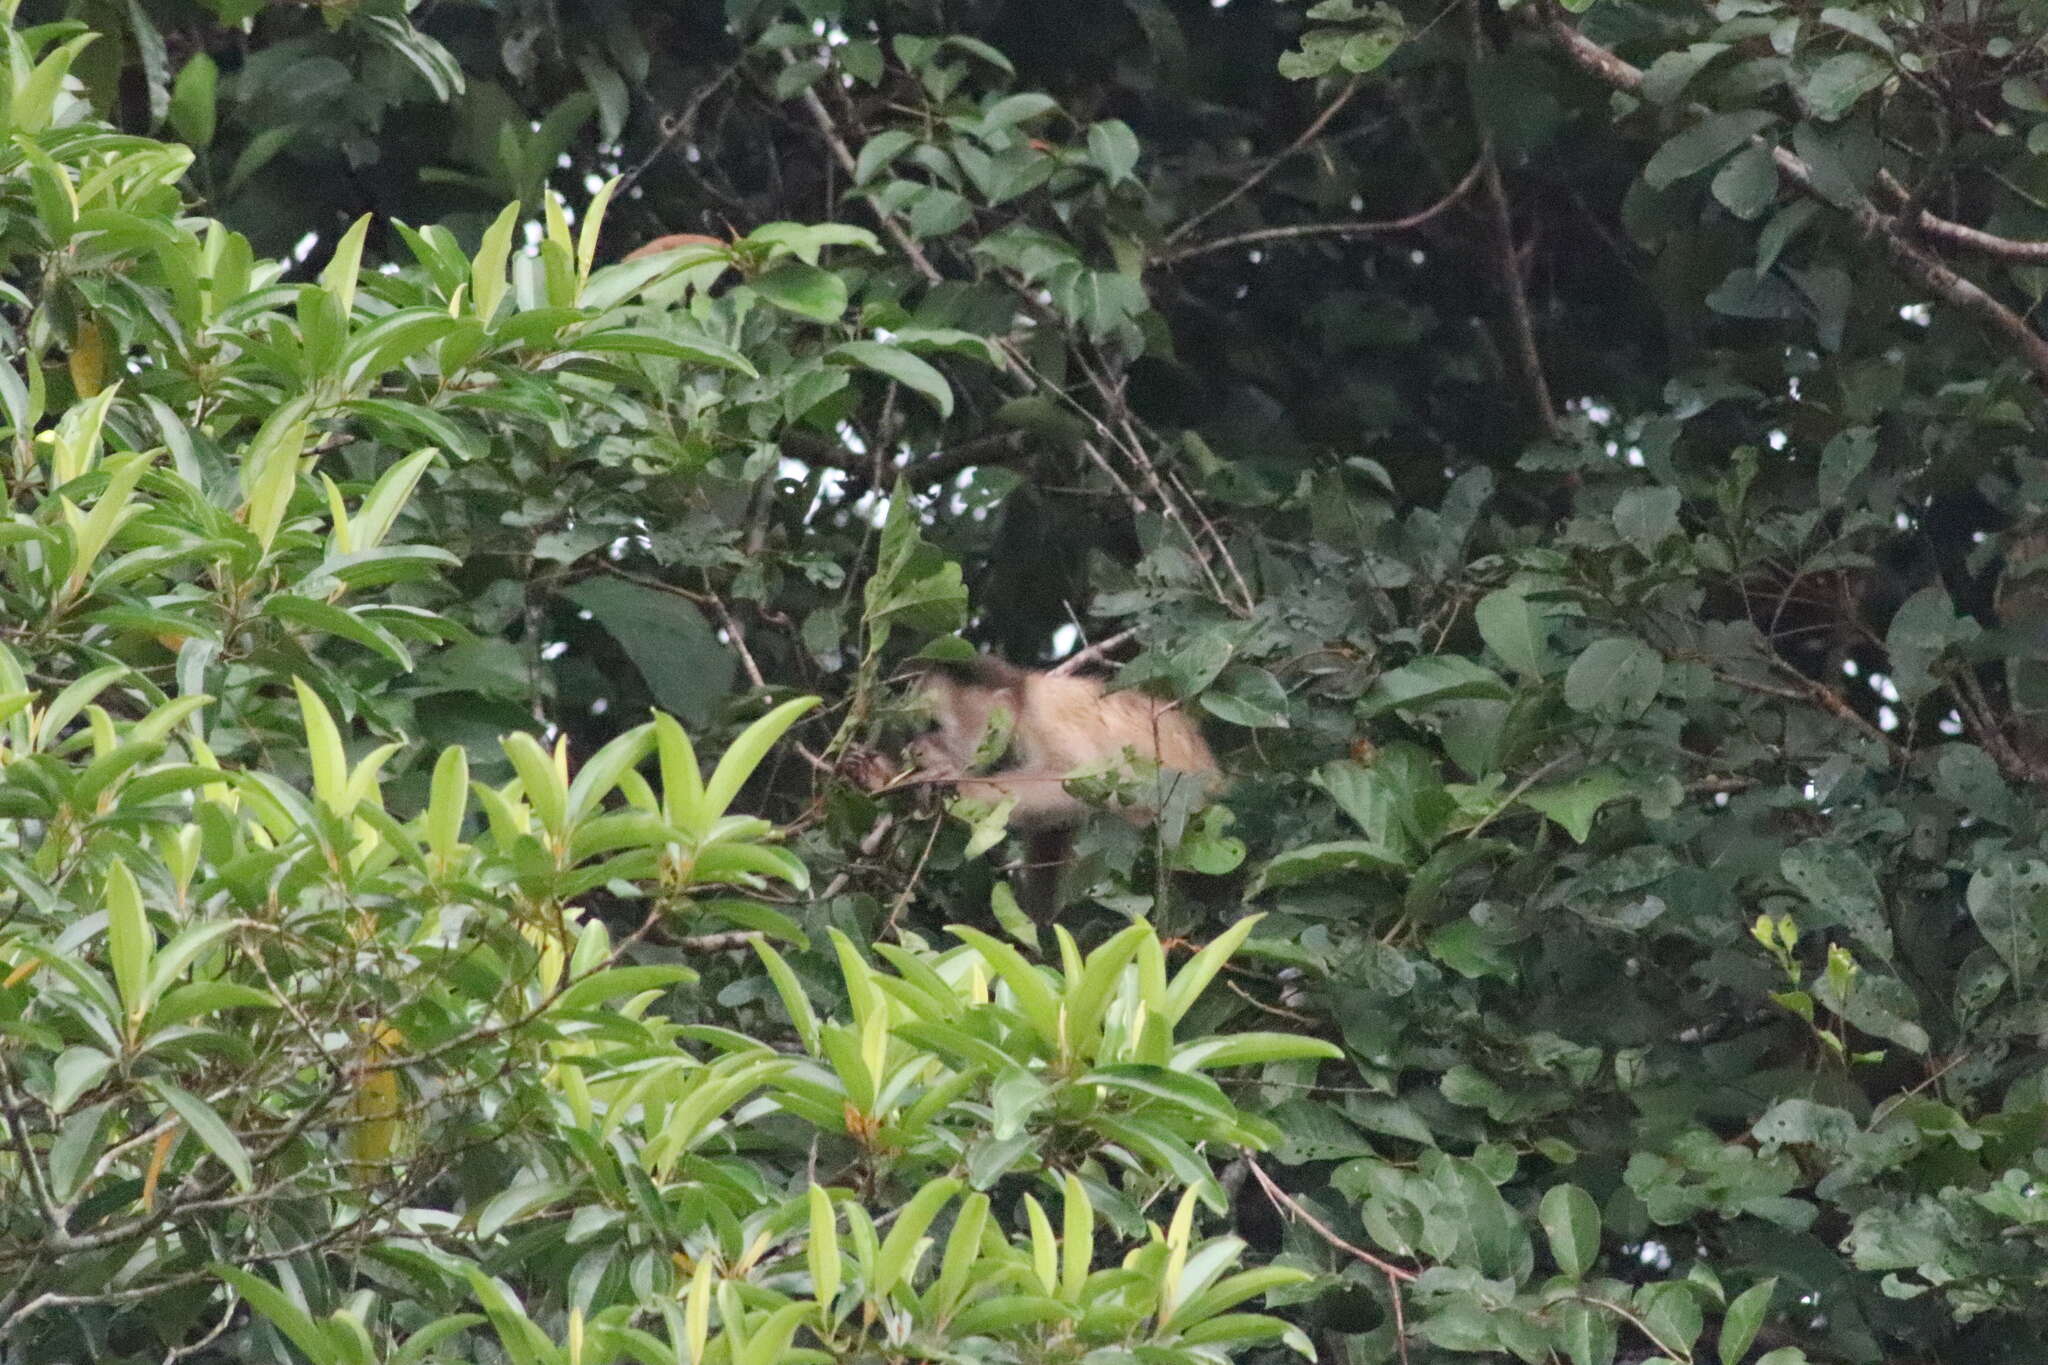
x,y
1079,724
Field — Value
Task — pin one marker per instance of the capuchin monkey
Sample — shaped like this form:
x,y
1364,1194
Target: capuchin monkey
x,y
1058,726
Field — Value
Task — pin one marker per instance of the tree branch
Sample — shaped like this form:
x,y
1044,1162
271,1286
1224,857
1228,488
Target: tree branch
x,y
1500,226
1962,234
905,243
1296,231
1095,653
994,448
1251,182
1893,237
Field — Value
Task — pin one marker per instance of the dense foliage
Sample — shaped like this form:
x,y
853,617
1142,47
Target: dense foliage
x,y
1582,465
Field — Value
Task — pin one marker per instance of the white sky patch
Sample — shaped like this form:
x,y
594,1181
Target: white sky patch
x,y
1066,640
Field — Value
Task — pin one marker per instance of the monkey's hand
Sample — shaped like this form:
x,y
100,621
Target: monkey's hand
x,y
934,760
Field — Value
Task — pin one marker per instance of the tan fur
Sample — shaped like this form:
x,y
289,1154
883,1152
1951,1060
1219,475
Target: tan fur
x,y
1063,726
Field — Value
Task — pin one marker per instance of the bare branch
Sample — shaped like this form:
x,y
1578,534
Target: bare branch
x,y
1252,181
1094,653
1507,261
1961,234
1298,231
905,243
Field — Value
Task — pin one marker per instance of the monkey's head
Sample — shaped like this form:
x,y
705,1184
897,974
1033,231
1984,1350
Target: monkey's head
x,y
967,710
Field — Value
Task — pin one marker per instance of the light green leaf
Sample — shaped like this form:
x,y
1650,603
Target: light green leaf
x,y
901,366
208,1127
1571,1220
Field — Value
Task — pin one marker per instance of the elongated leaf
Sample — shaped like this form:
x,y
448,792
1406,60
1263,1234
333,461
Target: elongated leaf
x,y
129,939
745,755
208,1127
901,366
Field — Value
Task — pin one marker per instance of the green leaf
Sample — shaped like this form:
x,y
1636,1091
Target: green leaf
x,y
806,290
1834,879
2009,902
1571,1220
192,100
1517,630
1196,1094
487,285
1744,1317
893,1263
1675,69
688,672
1320,862
691,350
312,614
614,982
1615,679
1014,109
1113,147
737,764
1436,678
1921,632
296,1324
1858,23
901,366
208,1127
1703,145
1834,87
1246,695
1574,804
1847,454
130,941
1748,183
878,151
1647,517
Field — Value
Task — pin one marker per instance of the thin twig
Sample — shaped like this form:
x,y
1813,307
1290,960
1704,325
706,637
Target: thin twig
x,y
736,634
671,129
1352,228
1094,653
1500,226
1817,694
905,243
1252,181
1288,1203
1396,1276
1669,1351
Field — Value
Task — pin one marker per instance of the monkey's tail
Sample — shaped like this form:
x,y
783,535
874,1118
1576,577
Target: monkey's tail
x,y
1045,858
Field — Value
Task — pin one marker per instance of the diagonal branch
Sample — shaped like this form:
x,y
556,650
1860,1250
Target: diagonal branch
x,y
1891,235
1252,181
1962,234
